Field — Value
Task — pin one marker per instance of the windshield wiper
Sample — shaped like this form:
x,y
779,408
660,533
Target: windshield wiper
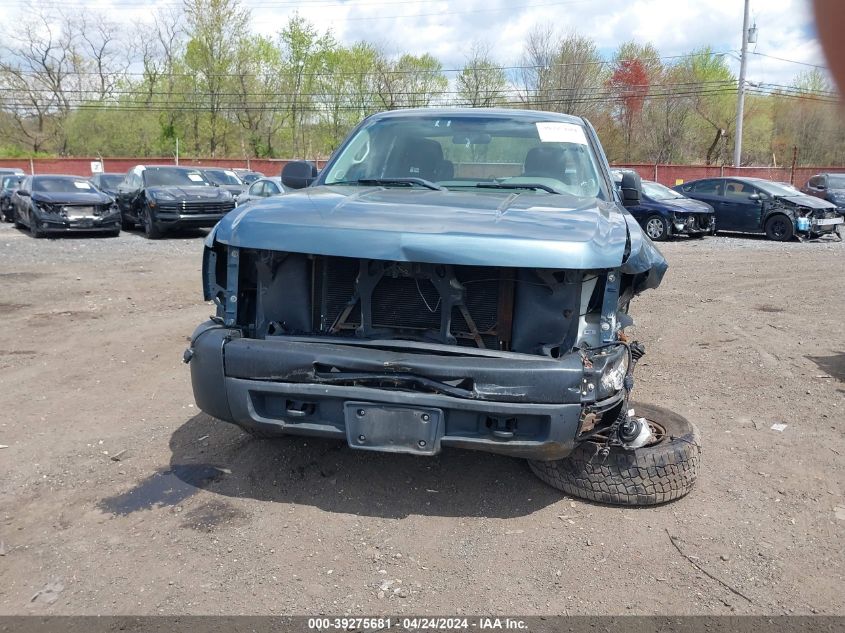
x,y
402,182
522,185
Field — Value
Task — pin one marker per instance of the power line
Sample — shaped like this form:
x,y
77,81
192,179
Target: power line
x,y
790,61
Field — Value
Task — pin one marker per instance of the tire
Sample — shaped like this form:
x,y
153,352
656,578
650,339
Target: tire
x,y
779,228
126,223
16,219
151,231
33,228
656,227
640,477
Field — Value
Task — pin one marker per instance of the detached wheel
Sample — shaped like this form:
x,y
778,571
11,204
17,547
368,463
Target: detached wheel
x,y
661,471
148,224
779,228
657,228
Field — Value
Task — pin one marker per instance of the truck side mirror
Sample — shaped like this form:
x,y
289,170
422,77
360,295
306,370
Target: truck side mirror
x,y
632,189
298,174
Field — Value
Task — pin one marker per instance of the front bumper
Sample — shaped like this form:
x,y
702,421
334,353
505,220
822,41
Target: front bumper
x,y
174,219
498,402
693,223
57,223
823,226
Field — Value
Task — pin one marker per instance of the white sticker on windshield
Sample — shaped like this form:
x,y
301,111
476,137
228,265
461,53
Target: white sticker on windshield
x,y
195,177
558,132
81,184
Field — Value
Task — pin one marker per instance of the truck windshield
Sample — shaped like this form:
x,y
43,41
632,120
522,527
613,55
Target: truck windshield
x,y
468,151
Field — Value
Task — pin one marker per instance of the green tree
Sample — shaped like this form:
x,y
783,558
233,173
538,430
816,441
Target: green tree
x,y
215,28
410,81
346,87
303,51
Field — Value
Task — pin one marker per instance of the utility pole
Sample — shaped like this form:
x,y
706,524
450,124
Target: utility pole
x,y
740,97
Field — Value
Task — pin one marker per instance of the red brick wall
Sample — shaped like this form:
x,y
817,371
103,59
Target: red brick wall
x,y
670,174
82,166
665,174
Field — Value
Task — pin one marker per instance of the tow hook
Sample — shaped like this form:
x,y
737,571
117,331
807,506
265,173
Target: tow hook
x,y
188,355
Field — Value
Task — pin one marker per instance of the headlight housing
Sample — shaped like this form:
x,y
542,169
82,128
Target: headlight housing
x,y
613,376
225,194
162,195
46,207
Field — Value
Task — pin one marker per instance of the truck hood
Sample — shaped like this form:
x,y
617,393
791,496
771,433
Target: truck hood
x,y
496,228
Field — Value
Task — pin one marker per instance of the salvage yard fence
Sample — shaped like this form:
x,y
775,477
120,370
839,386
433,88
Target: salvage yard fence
x,y
665,174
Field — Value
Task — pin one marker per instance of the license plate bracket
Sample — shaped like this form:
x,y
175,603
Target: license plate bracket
x,y
392,428
74,213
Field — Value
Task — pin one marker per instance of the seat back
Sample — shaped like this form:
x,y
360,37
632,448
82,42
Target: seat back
x,y
419,158
545,162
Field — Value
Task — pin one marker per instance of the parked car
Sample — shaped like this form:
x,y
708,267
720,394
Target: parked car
x,y
247,175
8,185
107,183
225,179
755,205
61,204
663,212
164,198
414,296
262,188
830,187
11,171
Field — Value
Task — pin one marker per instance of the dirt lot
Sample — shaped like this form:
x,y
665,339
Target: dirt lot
x,y
196,517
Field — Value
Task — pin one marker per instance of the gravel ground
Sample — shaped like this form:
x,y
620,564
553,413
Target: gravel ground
x,y
193,516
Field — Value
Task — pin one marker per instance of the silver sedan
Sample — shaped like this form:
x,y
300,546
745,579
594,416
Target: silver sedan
x,y
262,188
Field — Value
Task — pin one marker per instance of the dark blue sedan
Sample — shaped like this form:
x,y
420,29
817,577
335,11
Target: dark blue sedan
x,y
663,212
754,205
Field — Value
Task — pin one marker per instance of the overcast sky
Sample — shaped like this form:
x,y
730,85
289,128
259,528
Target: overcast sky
x,y
447,29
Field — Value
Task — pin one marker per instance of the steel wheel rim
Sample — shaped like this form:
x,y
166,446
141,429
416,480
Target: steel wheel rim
x,y
658,433
654,228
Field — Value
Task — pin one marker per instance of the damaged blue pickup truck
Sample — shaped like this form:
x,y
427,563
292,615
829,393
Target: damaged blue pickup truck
x,y
452,278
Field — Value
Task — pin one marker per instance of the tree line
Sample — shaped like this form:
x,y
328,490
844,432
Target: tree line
x,y
81,84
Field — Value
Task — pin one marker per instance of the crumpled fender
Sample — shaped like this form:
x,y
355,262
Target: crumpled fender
x,y
644,259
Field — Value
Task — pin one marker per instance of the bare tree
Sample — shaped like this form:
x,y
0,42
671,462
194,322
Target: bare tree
x,y
53,63
481,82
561,74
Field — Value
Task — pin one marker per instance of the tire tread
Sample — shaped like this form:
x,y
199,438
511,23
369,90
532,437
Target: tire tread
x,y
645,476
